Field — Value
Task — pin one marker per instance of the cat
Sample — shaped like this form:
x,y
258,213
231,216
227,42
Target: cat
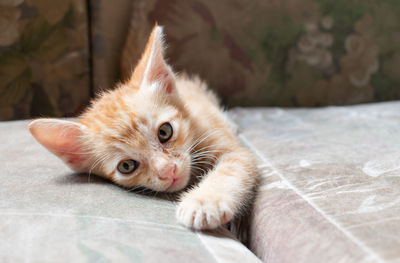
x,y
158,130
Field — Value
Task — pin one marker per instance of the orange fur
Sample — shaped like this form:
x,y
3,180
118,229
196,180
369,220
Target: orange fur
x,y
123,124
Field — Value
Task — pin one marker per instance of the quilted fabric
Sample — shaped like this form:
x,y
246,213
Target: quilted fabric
x,y
330,187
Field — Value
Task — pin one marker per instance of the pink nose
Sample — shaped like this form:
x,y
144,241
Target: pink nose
x,y
167,172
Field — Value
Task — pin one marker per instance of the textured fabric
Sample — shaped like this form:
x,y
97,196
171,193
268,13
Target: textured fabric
x,y
330,188
279,52
48,214
329,193
44,69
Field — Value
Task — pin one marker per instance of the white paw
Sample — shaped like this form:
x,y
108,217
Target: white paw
x,y
206,212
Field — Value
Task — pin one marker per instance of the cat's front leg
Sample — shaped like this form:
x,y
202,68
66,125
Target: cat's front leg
x,y
221,194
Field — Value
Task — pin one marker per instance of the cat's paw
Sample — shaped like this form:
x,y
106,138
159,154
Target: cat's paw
x,y
204,212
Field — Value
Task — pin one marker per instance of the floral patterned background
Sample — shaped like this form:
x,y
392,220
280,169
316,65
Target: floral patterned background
x,y
279,52
44,67
252,52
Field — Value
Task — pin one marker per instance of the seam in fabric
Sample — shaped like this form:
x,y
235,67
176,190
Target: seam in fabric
x,y
348,234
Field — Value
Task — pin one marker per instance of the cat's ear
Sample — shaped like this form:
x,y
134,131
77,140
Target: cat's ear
x,y
152,67
62,138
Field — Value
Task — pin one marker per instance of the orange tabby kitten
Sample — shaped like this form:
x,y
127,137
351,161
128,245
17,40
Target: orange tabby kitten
x,y
156,131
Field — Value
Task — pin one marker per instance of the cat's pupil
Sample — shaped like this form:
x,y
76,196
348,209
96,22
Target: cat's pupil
x,y
126,166
163,133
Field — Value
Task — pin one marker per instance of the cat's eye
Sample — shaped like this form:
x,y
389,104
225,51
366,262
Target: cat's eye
x,y
127,166
165,132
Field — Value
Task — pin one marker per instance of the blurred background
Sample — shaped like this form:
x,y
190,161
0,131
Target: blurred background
x,y
57,54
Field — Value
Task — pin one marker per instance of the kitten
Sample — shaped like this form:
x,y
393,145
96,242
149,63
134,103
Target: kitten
x,y
158,130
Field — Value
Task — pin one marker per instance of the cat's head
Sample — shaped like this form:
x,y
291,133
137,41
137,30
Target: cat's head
x,y
139,134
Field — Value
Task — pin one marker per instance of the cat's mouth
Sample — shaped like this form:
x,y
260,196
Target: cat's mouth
x,y
173,184
177,184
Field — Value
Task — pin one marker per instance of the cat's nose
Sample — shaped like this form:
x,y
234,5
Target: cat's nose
x,y
168,171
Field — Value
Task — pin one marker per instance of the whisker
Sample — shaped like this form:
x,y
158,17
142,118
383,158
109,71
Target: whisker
x,y
203,162
201,151
202,138
143,191
205,156
206,147
134,188
195,169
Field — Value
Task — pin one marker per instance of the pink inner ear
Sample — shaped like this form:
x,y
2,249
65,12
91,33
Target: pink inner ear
x,y
62,138
157,71
163,74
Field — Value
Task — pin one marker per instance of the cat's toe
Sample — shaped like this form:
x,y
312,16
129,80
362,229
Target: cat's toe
x,y
204,213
